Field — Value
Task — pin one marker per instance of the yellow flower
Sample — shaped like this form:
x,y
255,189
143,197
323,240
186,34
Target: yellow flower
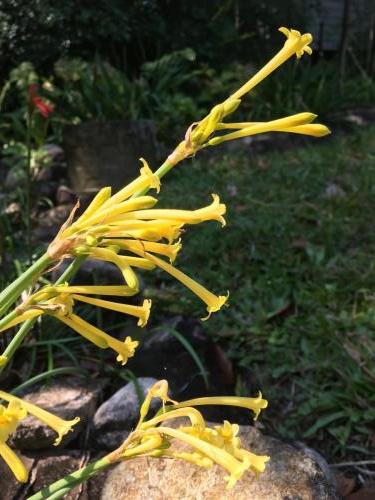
x,y
205,446
253,404
296,43
213,302
298,124
201,134
10,417
58,301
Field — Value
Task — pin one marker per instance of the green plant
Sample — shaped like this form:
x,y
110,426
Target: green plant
x,y
125,229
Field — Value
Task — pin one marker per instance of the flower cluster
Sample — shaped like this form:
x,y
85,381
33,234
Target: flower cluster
x,y
10,417
201,134
58,302
128,231
203,446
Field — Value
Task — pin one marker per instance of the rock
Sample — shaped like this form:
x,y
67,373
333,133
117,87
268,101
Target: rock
x,y
54,151
68,399
50,469
15,178
42,189
291,474
119,414
333,191
51,221
106,153
65,195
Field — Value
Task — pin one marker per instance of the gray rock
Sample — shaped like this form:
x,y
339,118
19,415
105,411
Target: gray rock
x,y
48,469
15,178
68,399
65,195
291,474
119,414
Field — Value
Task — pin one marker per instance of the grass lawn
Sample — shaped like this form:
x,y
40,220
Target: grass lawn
x,y
297,256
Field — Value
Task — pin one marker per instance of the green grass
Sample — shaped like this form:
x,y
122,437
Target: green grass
x,y
300,269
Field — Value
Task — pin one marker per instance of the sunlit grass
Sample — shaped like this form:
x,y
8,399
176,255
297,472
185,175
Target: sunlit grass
x,y
298,258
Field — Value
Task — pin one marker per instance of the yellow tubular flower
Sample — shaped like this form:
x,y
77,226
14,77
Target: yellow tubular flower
x,y
59,425
213,302
124,349
253,404
99,200
146,179
106,215
115,290
299,123
235,467
192,414
32,313
141,312
9,419
153,230
110,256
295,44
149,444
214,211
169,250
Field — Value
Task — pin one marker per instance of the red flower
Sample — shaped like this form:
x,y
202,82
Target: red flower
x,y
38,103
43,108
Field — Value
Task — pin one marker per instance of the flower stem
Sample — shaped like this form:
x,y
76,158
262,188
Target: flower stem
x,y
11,293
63,486
27,325
28,184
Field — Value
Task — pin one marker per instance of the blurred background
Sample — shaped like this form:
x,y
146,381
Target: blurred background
x,y
124,80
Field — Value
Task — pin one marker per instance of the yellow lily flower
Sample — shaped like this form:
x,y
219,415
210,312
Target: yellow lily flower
x,y
299,124
125,349
213,302
253,404
296,44
10,417
207,446
141,312
199,134
168,250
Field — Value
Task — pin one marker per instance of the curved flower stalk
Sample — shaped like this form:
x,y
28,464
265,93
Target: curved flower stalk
x,y
11,415
58,302
201,134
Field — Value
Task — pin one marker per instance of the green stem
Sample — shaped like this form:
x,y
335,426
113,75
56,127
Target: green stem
x,y
17,341
27,325
28,184
71,270
63,486
11,293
